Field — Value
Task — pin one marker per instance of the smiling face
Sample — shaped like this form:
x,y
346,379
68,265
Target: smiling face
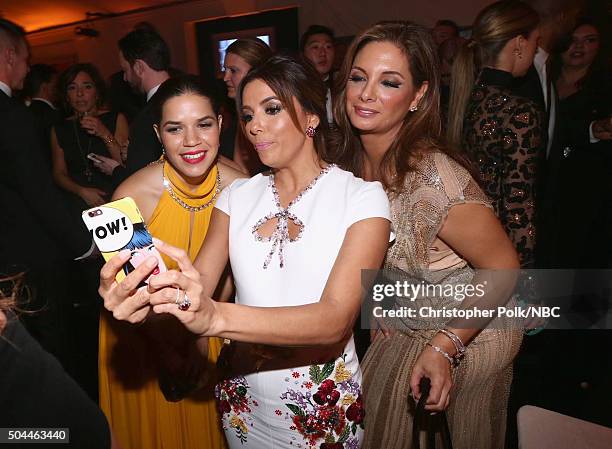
x,y
584,47
82,93
189,132
269,126
319,50
380,91
235,69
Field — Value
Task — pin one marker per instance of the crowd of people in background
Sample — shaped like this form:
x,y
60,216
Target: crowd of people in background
x,y
433,153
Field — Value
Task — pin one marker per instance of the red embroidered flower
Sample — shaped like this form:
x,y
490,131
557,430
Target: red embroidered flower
x,y
224,407
326,395
308,385
327,385
332,418
355,411
310,427
278,412
295,375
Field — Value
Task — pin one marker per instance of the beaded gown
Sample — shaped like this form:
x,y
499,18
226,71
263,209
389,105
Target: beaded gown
x,y
282,397
503,135
129,372
481,383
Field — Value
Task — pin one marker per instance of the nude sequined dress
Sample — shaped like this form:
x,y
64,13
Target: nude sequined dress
x,y
481,384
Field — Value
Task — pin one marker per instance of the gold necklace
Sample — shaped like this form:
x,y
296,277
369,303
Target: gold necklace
x,y
168,186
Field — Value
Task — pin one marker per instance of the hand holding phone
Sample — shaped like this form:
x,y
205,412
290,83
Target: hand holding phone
x,y
119,226
94,157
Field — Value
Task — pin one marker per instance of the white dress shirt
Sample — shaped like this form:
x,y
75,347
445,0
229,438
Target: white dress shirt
x,y
6,89
152,91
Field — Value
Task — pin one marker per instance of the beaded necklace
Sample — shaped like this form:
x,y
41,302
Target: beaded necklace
x,y
280,237
168,186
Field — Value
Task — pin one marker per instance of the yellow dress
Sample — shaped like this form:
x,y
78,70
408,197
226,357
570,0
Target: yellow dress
x,y
130,396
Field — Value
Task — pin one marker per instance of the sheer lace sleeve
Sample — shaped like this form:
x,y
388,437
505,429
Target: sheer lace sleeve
x,y
418,212
521,144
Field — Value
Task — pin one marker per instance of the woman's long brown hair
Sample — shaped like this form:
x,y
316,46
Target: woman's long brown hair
x,y
420,131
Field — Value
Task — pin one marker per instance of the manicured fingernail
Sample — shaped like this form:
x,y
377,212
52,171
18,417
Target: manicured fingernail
x,y
151,262
124,253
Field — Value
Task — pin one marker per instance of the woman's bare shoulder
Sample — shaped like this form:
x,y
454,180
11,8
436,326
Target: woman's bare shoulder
x,y
146,182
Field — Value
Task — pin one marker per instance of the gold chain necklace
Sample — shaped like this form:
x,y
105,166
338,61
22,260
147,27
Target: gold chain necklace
x,y
183,204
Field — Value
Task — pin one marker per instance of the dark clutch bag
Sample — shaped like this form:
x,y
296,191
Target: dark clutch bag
x,y
430,424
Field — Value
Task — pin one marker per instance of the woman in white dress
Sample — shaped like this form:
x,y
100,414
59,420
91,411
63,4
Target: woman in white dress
x,y
295,240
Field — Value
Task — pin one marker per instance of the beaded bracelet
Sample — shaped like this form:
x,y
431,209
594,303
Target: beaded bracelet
x,y
459,346
452,360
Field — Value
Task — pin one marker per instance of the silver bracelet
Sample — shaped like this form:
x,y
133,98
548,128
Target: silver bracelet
x,y
452,360
459,346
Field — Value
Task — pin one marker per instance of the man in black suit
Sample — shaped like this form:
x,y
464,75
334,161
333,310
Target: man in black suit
x,y
39,86
553,360
39,232
145,60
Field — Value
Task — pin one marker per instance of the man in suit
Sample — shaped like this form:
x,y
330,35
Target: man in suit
x,y
39,86
145,60
556,19
39,232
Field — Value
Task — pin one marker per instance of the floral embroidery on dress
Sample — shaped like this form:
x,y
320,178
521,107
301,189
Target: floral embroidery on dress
x,y
234,404
326,409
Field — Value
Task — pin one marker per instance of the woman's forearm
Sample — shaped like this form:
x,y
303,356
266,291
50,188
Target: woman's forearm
x,y
66,183
310,324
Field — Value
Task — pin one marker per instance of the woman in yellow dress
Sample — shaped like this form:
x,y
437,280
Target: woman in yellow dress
x,y
151,376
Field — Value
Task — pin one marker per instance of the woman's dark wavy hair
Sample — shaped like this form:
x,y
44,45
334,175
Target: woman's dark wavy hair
x,y
600,68
421,130
290,78
68,76
182,85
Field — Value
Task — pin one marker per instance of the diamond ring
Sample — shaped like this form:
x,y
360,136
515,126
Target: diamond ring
x,y
183,304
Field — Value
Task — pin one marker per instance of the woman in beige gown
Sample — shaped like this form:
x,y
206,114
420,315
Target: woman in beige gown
x,y
388,111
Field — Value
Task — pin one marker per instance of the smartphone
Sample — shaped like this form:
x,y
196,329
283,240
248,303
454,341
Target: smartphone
x,y
94,157
119,225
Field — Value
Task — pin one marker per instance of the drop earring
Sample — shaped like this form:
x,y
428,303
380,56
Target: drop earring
x,y
413,109
310,132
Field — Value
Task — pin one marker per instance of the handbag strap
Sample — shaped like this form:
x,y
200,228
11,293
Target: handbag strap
x,y
422,418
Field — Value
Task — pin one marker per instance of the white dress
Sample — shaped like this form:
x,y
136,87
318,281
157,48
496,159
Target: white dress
x,y
308,405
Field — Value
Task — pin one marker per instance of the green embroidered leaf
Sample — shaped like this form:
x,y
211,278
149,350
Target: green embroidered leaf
x,y
329,438
296,410
344,435
315,374
354,429
328,369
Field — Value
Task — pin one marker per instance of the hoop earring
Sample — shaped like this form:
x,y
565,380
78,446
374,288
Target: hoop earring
x,y
310,132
